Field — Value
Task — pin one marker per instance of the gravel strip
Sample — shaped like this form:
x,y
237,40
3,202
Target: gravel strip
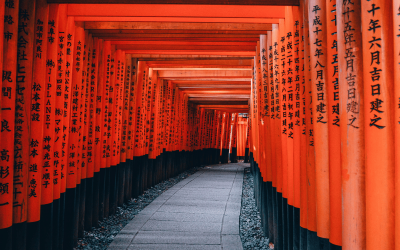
x,y
251,231
101,237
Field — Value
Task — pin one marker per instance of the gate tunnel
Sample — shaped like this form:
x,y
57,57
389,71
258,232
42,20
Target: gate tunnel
x,y
102,99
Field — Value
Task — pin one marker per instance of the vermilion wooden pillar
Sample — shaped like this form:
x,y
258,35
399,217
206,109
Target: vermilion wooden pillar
x,y
84,131
265,43
131,119
87,204
377,35
118,172
147,115
222,132
125,112
125,88
46,226
59,166
36,127
318,52
272,97
351,103
79,70
297,79
248,138
284,128
278,233
302,129
253,113
283,107
233,140
332,82
277,129
290,101
70,195
132,125
8,98
22,119
267,85
311,187
109,135
272,135
153,96
105,78
396,36
118,131
97,185
259,123
2,7
93,169
138,113
76,122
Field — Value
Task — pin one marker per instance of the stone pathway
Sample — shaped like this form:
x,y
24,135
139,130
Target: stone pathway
x,y
200,212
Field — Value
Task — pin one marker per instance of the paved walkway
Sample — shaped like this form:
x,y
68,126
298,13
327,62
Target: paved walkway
x,y
200,212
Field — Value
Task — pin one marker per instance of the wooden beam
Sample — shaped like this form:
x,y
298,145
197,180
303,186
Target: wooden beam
x,y
191,2
161,53
215,90
220,82
202,67
218,102
227,47
141,39
207,78
178,10
205,74
225,106
235,97
178,26
184,88
219,98
170,36
173,32
230,110
174,19
185,42
162,57
199,63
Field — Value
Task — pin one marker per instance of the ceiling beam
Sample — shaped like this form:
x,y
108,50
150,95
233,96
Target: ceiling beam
x,y
185,42
161,53
233,97
219,102
202,63
207,78
170,10
227,47
178,26
171,36
220,82
202,2
225,106
216,90
175,19
184,88
205,74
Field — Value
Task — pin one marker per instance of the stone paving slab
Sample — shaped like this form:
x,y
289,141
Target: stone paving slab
x,y
196,203
191,209
198,213
189,238
172,247
213,218
182,226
